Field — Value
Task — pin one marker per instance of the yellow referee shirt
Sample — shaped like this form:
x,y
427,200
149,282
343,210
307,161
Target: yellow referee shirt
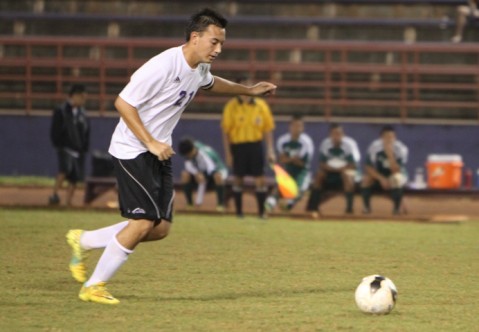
x,y
246,121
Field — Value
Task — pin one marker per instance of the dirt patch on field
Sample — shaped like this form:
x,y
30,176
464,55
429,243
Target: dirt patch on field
x,y
429,208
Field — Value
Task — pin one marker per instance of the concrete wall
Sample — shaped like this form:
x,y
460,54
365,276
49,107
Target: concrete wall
x,y
25,148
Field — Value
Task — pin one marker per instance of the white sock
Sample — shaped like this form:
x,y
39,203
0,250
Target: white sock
x,y
100,238
271,201
114,256
200,193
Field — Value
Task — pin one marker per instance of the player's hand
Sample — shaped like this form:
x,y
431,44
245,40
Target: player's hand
x,y
271,157
162,150
262,89
200,178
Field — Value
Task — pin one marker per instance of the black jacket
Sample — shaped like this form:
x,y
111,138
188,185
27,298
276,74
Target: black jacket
x,y
70,131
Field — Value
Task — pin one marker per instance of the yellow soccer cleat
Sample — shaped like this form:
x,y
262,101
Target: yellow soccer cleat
x,y
77,265
98,294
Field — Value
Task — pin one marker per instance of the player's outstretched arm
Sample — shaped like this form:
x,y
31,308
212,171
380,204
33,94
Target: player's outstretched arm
x,y
224,86
129,114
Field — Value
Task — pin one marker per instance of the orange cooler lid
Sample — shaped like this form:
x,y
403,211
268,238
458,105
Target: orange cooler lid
x,y
444,158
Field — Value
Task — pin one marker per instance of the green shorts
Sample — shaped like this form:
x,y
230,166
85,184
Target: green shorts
x,y
303,180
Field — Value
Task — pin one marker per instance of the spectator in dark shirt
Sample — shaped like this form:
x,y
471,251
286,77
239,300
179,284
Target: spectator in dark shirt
x,y
70,135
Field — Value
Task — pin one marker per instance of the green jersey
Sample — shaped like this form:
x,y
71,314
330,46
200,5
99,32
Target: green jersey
x,y
339,156
206,161
302,148
377,157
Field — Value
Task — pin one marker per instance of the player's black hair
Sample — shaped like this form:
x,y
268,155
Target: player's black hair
x,y
387,128
185,146
200,21
333,126
76,88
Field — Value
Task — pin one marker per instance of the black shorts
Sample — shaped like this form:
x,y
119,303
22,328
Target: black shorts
x,y
248,159
210,181
72,167
145,187
333,181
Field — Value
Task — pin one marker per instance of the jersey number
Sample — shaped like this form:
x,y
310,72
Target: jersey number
x,y
183,95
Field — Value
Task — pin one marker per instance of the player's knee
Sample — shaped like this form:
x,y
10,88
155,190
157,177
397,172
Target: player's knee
x,y
185,177
366,182
218,178
160,231
164,229
140,227
348,177
200,179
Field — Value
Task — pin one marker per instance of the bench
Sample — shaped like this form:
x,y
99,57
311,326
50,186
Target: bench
x,y
464,192
97,186
472,193
248,187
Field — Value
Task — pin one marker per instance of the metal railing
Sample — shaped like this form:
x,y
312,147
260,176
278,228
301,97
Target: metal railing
x,y
329,79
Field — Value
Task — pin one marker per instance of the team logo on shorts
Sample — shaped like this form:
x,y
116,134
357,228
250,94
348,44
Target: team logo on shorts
x,y
138,211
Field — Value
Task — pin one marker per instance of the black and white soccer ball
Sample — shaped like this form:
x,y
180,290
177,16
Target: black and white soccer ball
x,y
376,295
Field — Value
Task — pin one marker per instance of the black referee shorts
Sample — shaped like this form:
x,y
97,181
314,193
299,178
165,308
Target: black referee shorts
x,y
145,187
248,159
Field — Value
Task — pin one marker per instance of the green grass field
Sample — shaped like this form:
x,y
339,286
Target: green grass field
x,y
222,274
26,181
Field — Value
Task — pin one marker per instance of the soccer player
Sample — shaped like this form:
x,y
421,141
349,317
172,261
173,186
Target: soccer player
x,y
150,106
338,167
246,123
295,151
203,166
70,135
385,168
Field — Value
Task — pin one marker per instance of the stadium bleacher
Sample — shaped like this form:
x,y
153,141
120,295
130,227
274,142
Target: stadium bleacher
x,y
369,61
338,20
341,58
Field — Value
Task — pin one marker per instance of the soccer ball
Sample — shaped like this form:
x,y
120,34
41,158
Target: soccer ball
x,y
376,295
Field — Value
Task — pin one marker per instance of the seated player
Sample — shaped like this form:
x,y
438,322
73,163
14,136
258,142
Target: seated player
x,y
295,151
384,169
338,168
203,166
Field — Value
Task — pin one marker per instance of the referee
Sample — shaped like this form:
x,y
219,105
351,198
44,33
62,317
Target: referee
x,y
246,122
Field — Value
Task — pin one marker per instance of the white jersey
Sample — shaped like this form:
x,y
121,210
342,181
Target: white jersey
x,y
206,161
202,163
348,148
302,148
160,90
376,153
